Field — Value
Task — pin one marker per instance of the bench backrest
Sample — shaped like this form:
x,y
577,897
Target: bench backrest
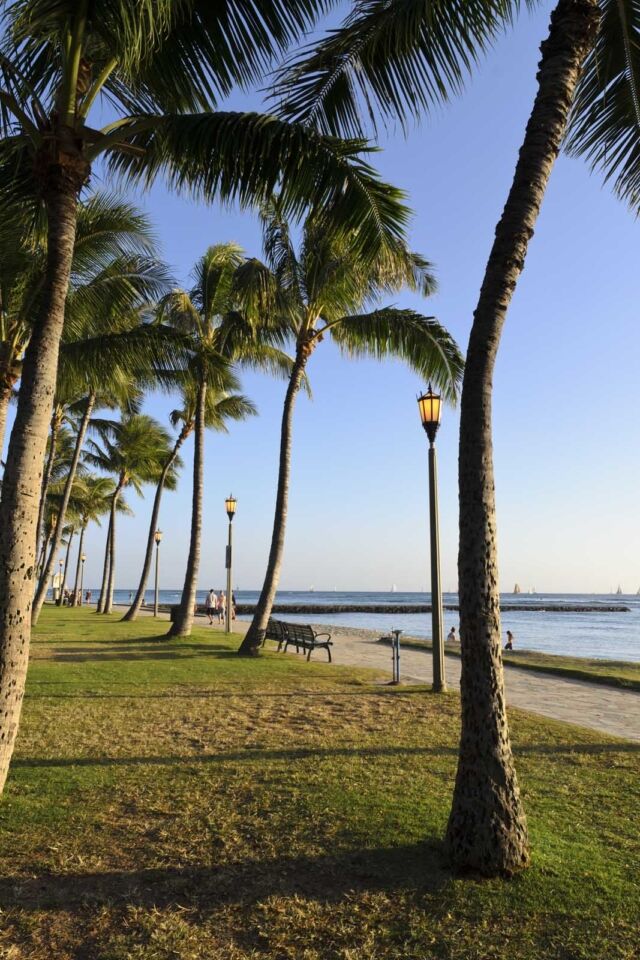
x,y
276,630
300,632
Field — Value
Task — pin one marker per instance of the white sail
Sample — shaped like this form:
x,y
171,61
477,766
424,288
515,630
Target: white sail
x,y
517,589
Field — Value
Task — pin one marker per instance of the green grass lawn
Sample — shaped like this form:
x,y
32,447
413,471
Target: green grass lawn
x,y
169,801
611,673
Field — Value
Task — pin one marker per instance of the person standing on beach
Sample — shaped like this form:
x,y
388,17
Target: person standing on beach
x,y
451,636
233,606
509,644
212,605
222,607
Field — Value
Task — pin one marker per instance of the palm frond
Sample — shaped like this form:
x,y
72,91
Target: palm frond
x,y
391,59
604,125
421,342
244,157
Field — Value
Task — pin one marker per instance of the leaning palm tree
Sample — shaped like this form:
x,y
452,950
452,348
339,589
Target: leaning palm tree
x,y
324,291
135,453
221,336
103,317
92,496
162,72
401,58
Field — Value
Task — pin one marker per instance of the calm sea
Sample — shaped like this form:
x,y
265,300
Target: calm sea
x,y
611,636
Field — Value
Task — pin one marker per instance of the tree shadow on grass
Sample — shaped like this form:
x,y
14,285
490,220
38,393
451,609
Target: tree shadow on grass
x,y
291,755
114,654
326,878
250,754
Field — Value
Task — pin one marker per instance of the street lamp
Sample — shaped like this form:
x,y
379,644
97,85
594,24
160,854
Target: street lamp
x,y
157,537
430,407
230,507
82,560
59,600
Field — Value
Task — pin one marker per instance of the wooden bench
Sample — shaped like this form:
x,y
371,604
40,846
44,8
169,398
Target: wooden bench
x,y
301,635
275,631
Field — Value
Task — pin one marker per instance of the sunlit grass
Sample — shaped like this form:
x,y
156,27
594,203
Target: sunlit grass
x,y
171,800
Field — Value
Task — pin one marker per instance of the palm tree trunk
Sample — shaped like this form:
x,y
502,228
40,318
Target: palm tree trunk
x,y
134,609
108,604
57,536
44,548
76,584
487,829
66,558
108,598
105,570
250,646
184,619
46,479
23,472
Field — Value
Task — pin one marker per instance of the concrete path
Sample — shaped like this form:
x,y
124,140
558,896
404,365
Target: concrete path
x,y
612,711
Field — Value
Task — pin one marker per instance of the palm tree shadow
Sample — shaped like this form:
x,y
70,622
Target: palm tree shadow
x,y
418,868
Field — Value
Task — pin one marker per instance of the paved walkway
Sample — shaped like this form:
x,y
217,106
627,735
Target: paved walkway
x,y
591,705
598,707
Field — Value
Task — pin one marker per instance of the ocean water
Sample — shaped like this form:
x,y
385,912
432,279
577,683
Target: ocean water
x,y
610,636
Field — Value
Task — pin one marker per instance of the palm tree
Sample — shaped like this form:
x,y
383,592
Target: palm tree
x,y
403,58
104,313
221,335
321,292
162,72
92,500
135,454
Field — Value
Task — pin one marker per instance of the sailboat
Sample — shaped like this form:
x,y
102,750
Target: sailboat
x,y
394,589
517,589
638,592
619,591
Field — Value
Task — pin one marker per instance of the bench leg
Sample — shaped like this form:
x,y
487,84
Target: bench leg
x,y
309,654
329,652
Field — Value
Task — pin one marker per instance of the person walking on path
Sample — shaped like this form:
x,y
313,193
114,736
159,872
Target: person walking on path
x,y
212,605
233,606
222,607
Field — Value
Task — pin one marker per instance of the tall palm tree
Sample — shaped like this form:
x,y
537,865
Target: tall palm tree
x,y
104,312
403,58
93,499
135,454
221,335
162,72
324,291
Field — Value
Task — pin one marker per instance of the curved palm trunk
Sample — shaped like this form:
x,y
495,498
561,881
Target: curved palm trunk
x,y
66,562
487,828
105,570
108,599
184,619
138,600
23,472
46,479
76,583
250,646
44,548
57,535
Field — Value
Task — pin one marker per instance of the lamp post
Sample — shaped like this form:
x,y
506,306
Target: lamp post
x,y
430,406
82,560
157,537
230,507
61,564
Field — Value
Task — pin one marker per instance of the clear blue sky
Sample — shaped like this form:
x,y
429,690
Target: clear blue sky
x,y
567,393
